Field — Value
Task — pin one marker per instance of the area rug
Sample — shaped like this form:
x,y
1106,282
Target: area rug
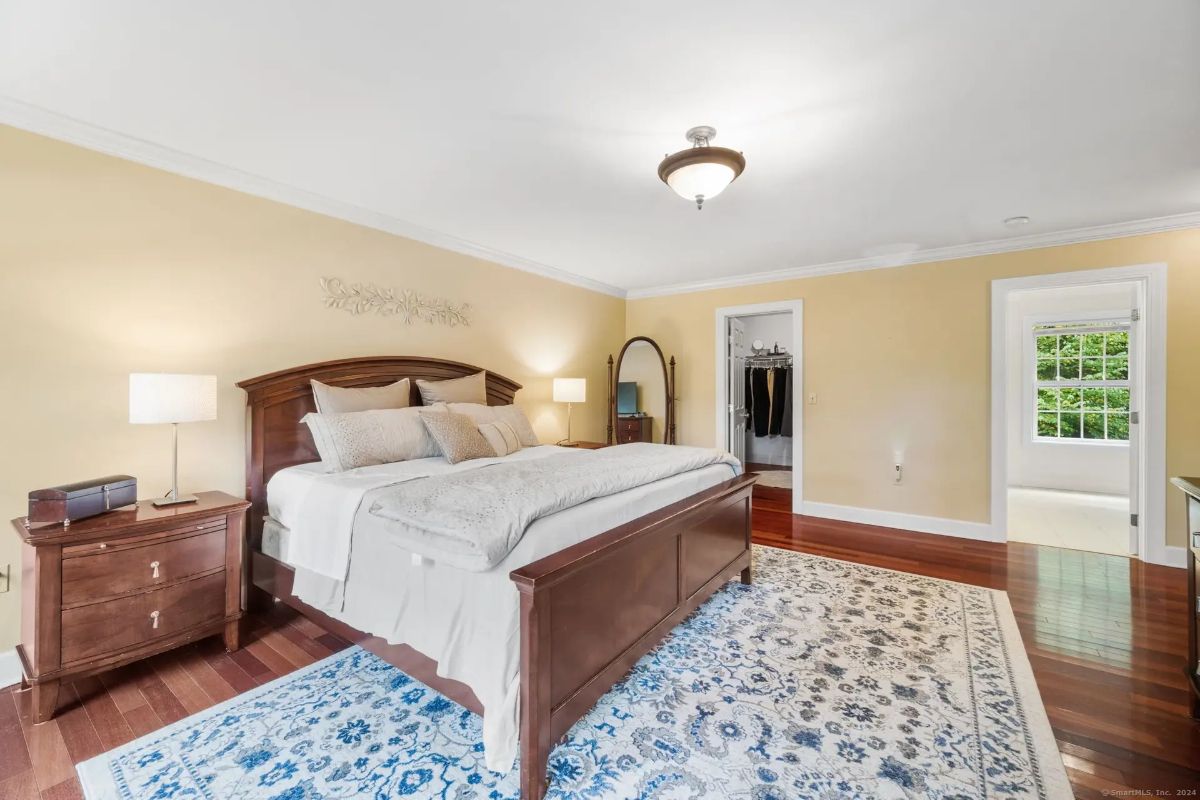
x,y
824,679
775,478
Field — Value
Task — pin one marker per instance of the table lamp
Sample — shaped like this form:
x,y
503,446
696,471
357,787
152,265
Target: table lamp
x,y
569,390
156,398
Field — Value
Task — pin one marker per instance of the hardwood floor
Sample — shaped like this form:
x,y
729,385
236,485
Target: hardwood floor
x,y
761,492
1105,636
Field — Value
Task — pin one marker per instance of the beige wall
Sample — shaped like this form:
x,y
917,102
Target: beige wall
x,y
107,268
899,359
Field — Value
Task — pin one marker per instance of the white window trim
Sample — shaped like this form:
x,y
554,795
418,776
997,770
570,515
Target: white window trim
x,y
1029,382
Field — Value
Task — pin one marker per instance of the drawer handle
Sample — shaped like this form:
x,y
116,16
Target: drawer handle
x,y
153,569
154,619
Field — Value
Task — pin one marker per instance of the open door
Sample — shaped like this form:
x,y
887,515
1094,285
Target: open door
x,y
1136,404
736,390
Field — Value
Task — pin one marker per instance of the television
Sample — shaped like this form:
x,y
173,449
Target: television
x,y
627,403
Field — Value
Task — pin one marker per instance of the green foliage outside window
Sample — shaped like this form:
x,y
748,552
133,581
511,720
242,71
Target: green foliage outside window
x,y
1072,409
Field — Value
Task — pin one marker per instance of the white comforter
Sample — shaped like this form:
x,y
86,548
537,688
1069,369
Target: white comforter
x,y
467,621
473,520
319,508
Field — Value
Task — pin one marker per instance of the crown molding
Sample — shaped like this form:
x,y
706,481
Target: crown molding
x,y
38,120
993,247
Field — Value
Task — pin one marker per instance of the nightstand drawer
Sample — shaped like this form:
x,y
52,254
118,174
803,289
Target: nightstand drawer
x,y
120,568
114,625
634,429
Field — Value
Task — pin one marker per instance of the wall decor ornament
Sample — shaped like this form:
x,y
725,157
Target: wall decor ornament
x,y
367,298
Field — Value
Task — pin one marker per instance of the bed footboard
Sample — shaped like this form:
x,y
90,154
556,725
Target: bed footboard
x,y
589,612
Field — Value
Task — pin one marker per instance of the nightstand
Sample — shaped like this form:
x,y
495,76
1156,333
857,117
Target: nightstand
x,y
125,585
584,445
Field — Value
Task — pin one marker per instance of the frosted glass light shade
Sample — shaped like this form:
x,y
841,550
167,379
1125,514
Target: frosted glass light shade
x,y
570,390
705,180
701,172
159,397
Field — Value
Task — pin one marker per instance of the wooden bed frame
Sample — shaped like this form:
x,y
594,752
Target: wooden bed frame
x,y
588,612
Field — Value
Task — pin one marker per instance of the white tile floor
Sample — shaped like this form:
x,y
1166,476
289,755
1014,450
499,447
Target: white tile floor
x,y
1075,520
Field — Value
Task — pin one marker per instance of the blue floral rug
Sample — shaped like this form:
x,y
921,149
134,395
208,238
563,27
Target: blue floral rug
x,y
825,679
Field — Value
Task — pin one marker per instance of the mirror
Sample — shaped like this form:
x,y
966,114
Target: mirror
x,y
641,398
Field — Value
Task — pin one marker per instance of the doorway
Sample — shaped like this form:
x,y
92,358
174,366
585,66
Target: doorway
x,y
760,396
1071,389
1077,409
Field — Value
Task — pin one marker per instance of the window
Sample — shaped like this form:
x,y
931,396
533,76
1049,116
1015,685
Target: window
x,y
1081,381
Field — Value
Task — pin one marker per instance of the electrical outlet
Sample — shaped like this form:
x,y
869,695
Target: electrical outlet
x,y
6,578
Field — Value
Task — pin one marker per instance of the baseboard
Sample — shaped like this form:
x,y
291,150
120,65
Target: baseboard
x,y
1168,556
10,667
981,531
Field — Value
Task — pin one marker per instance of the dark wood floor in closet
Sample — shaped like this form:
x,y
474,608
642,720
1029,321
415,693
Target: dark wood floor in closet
x,y
1104,634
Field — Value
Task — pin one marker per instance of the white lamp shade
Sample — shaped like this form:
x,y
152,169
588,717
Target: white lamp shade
x,y
705,179
158,397
570,390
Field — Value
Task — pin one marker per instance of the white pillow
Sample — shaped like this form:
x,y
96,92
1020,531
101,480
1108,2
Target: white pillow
x,y
363,438
514,416
346,399
471,389
501,437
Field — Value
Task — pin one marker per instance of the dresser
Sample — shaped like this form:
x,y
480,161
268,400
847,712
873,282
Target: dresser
x,y
115,588
634,429
1191,491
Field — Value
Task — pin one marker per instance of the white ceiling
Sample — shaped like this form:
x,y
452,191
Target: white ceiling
x,y
532,130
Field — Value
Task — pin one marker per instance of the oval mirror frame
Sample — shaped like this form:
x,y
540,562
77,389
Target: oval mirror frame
x,y
614,373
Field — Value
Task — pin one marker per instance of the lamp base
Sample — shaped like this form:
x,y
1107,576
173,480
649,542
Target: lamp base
x,y
175,501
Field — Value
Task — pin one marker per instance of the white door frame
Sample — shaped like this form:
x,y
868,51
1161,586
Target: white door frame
x,y
1153,414
796,308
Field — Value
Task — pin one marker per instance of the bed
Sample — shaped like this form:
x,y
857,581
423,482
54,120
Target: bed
x,y
585,613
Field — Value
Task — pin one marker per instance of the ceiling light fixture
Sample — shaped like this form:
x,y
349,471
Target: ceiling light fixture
x,y
701,172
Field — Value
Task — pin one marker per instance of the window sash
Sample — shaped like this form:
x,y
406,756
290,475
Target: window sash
x,y
1079,383
1080,329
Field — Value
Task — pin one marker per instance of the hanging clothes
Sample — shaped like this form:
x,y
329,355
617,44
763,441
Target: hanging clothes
x,y
779,399
748,400
761,401
785,428
770,397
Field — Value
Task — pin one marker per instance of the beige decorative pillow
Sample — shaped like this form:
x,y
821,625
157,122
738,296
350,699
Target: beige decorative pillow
x,y
346,399
501,437
457,436
471,389
364,438
514,416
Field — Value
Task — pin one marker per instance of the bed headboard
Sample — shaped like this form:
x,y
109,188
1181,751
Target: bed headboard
x,y
277,439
